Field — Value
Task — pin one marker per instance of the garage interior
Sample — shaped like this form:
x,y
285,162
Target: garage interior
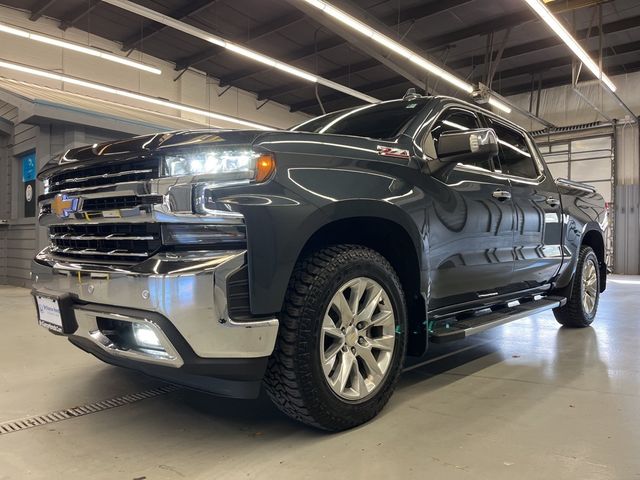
x,y
528,399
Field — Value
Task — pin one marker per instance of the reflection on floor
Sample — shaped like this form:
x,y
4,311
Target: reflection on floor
x,y
526,400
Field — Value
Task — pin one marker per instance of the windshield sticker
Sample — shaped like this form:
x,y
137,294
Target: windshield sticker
x,y
412,105
392,152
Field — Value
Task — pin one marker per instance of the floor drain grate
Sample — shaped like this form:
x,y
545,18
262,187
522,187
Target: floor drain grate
x,y
52,417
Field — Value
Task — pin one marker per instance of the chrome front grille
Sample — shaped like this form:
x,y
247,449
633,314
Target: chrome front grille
x,y
113,242
118,203
104,174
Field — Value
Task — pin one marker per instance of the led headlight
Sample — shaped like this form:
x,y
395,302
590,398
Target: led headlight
x,y
226,164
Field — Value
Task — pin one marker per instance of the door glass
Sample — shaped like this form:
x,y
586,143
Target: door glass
x,y
515,156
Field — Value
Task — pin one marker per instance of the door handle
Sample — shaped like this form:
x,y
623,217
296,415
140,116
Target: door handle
x,y
502,195
553,202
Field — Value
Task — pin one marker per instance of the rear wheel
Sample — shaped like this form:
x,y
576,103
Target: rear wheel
x,y
582,304
342,339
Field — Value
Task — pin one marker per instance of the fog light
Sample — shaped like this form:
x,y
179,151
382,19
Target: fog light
x,y
145,337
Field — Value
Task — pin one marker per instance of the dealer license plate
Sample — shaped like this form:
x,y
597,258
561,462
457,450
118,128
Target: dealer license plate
x,y
49,313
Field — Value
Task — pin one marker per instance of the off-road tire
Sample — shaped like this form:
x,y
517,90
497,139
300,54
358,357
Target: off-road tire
x,y
294,380
573,314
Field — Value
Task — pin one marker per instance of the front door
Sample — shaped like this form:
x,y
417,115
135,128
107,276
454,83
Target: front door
x,y
472,219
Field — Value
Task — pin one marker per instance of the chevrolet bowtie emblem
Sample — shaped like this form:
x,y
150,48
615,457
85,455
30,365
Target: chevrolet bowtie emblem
x,y
63,205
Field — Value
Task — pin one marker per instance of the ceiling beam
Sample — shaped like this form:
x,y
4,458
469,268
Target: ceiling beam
x,y
417,13
558,62
257,33
209,37
563,80
421,11
504,74
529,47
71,19
150,29
561,6
333,74
493,25
364,45
39,8
198,57
459,64
505,21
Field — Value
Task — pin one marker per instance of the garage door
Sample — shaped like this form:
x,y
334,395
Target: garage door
x,y
585,158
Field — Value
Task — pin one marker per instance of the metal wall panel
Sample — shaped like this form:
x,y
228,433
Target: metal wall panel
x,y
627,218
5,209
627,255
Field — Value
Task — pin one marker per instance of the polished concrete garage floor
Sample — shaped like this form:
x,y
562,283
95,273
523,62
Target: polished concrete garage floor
x,y
527,400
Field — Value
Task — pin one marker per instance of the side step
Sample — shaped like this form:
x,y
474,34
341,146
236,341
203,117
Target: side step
x,y
450,330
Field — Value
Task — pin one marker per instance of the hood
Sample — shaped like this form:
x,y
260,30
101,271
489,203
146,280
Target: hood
x,y
145,145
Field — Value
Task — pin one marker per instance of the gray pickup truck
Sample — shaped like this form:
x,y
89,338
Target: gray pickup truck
x,y
312,261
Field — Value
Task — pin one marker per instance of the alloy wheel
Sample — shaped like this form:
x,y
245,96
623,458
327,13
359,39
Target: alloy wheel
x,y
357,339
589,286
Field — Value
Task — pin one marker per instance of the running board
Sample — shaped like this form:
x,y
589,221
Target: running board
x,y
457,330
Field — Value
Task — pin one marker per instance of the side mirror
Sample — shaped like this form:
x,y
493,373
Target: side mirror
x,y
470,145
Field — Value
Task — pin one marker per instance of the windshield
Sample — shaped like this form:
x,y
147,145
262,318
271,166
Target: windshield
x,y
380,120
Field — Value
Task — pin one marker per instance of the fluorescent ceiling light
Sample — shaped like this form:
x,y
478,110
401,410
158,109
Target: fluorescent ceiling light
x,y
388,43
18,32
499,105
236,48
571,42
258,57
128,94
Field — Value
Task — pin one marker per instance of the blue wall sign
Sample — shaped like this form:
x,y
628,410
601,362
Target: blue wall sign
x,y
29,167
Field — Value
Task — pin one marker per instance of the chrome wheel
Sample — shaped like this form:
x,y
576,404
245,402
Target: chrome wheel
x,y
357,338
589,286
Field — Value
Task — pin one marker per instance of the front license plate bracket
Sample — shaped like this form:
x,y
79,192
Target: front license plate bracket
x,y
67,314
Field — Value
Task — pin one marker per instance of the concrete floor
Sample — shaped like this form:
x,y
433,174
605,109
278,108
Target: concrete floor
x,y
526,400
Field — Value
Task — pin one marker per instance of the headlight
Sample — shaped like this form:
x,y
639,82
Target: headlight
x,y
230,164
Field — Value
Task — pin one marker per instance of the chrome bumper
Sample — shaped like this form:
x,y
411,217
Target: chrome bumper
x,y
186,289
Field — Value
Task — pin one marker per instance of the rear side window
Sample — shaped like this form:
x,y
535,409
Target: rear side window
x,y
515,157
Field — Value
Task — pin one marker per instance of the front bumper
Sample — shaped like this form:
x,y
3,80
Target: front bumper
x,y
182,297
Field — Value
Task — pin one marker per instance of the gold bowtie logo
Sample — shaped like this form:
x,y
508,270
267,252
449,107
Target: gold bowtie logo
x,y
63,206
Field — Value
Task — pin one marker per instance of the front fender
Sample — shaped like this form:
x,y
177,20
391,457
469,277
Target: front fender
x,y
274,246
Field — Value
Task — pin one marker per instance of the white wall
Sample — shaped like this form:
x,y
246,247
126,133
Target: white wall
x,y
193,88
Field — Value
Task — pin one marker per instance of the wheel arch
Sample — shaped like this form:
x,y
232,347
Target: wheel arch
x,y
379,225
594,238
393,242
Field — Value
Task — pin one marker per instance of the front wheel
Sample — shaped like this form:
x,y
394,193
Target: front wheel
x,y
342,339
582,304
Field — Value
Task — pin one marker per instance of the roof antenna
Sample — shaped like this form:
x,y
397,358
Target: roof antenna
x,y
411,95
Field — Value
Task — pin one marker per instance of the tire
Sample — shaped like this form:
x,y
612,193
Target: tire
x,y
296,381
578,311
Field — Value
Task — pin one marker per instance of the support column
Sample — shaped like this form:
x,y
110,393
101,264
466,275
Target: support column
x,y
627,200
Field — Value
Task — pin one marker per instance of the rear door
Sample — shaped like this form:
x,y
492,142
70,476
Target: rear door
x,y
537,235
472,218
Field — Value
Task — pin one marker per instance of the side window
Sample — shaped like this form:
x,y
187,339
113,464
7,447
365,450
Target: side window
x,y
453,120
515,157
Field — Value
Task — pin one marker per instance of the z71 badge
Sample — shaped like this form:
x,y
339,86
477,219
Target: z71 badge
x,y
392,152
